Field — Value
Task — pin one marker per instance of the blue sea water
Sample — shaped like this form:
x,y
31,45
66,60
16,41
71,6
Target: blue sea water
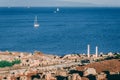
x,y
64,32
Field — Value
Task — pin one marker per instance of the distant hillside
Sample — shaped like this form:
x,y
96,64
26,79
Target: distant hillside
x,y
45,3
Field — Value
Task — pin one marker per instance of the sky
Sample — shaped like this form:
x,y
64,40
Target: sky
x,y
71,3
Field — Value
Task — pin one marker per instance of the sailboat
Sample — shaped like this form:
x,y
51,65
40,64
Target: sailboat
x,y
35,22
57,9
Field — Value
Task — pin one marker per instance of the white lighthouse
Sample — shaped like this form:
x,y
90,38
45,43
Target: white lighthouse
x,y
88,51
96,51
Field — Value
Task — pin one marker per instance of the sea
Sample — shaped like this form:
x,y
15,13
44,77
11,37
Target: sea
x,y
67,31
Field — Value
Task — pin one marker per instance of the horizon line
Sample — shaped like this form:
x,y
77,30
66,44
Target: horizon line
x,y
62,6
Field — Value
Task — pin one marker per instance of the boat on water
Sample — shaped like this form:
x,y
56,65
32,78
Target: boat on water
x,y
57,9
36,24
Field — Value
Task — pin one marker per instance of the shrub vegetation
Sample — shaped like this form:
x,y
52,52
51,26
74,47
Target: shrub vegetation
x,y
5,63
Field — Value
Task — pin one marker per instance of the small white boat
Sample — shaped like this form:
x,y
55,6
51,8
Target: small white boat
x,y
57,9
36,24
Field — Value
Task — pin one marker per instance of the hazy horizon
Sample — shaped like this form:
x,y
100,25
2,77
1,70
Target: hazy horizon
x,y
60,3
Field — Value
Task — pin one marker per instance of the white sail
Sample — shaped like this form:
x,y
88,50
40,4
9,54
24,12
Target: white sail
x,y
36,22
57,9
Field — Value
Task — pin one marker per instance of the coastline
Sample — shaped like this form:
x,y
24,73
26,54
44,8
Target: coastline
x,y
40,63
62,37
